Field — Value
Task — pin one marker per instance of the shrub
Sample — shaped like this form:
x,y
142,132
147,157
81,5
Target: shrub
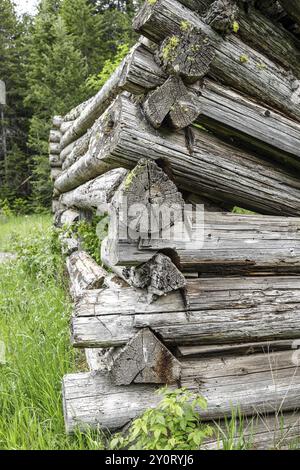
x,y
174,424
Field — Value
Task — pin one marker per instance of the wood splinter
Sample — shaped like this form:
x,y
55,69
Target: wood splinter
x,y
145,359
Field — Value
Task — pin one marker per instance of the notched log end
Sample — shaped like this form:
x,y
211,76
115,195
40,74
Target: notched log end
x,y
222,16
145,360
188,54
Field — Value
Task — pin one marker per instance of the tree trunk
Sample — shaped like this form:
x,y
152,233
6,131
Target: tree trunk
x,y
263,308
235,63
196,158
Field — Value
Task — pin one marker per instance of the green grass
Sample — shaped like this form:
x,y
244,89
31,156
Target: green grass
x,y
9,226
34,326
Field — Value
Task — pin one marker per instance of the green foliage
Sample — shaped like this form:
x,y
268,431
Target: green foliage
x,y
95,82
39,254
174,424
91,233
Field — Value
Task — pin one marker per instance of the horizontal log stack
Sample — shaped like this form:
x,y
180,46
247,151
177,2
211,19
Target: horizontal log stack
x,y
202,115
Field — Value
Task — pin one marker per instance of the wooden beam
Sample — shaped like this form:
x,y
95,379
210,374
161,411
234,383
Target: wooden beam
x,y
227,384
216,311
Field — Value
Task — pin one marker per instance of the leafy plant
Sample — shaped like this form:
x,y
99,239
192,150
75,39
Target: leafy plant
x,y
95,82
91,233
175,424
39,254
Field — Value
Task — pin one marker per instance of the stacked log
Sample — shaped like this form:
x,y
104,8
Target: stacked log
x,y
210,96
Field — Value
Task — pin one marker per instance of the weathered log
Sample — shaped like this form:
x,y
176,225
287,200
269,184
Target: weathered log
x,y
235,63
65,126
54,148
66,218
234,116
225,109
215,311
271,39
69,244
196,158
54,161
255,29
96,193
79,148
226,243
227,384
84,273
199,6
292,7
141,72
131,73
54,136
145,360
55,173
57,121
75,112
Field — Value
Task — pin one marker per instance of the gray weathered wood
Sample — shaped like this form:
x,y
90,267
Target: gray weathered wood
x,y
159,276
160,101
221,15
54,148
84,273
145,360
231,243
54,136
74,151
233,115
235,63
227,384
54,161
75,112
234,349
69,244
96,193
57,121
66,217
55,173
196,158
216,311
